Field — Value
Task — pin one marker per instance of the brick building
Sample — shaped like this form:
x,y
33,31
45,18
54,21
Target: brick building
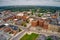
x,y
34,23
41,22
25,17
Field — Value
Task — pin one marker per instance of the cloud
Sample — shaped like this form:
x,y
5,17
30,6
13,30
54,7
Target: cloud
x,y
30,2
56,0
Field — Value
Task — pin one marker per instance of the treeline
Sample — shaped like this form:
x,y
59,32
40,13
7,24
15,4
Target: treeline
x,y
42,9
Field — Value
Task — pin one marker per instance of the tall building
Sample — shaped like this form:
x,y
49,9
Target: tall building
x,y
34,23
41,22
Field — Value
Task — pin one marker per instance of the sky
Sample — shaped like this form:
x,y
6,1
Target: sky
x,y
30,2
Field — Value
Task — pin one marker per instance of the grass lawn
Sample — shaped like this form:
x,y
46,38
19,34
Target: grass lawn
x,y
33,36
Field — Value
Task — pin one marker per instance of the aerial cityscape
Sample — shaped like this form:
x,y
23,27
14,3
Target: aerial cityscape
x,y
29,21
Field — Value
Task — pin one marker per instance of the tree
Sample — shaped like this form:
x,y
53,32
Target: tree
x,y
24,24
33,11
19,30
49,38
39,15
27,20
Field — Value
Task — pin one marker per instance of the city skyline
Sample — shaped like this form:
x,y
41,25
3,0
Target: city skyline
x,y
30,2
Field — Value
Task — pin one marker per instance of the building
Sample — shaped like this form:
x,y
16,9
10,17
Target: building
x,y
29,12
18,22
7,29
25,17
47,15
54,23
10,29
41,22
54,16
45,25
19,15
9,18
53,28
30,20
34,23
15,20
22,16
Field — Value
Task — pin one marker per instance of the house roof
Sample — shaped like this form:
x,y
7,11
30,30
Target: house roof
x,y
54,21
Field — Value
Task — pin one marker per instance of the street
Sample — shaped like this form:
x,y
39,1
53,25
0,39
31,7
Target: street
x,y
17,37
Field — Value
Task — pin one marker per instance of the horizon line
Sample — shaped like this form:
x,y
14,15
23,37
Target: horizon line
x,y
29,5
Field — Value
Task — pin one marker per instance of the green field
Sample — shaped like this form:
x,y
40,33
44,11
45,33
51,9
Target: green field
x,y
33,36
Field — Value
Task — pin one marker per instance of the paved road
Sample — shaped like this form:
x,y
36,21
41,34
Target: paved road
x,y
20,34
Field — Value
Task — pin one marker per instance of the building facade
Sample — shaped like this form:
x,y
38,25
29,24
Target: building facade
x,y
34,23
